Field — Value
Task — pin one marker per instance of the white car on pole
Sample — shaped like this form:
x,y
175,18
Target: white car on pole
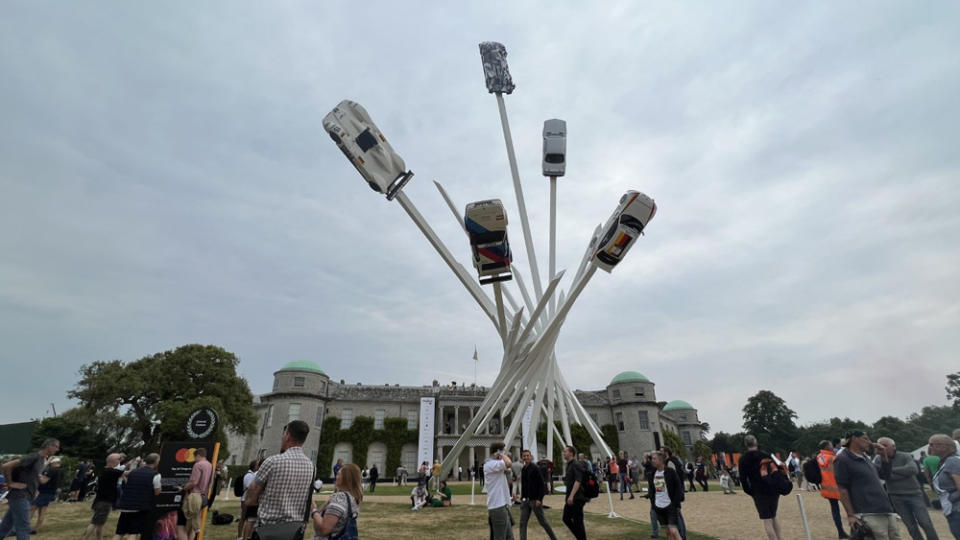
x,y
486,224
349,125
622,229
554,147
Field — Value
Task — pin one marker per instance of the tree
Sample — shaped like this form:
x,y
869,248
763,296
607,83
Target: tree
x,y
953,389
154,395
809,437
726,443
73,430
768,418
673,441
701,449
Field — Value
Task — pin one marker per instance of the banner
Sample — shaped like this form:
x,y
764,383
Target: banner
x,y
528,437
176,463
427,429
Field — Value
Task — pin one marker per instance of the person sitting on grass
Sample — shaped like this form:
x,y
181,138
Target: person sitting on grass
x,y
443,497
418,497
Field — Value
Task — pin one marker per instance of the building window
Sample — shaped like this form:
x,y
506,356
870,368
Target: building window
x,y
323,387
619,419
686,438
683,416
411,420
276,384
313,456
319,421
595,418
638,391
346,418
269,416
616,394
644,420
299,382
378,418
293,413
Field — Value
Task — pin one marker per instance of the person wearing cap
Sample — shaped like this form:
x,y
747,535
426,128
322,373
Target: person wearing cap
x,y
46,491
861,491
947,480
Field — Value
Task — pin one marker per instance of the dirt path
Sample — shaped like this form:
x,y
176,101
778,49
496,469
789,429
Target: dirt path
x,y
728,517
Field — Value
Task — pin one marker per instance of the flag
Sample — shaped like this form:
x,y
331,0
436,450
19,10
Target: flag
x,y
475,354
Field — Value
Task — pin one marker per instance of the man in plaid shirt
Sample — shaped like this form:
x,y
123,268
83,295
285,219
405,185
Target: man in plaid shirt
x,y
280,487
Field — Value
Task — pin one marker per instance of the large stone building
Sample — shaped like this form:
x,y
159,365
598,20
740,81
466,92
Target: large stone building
x,y
301,390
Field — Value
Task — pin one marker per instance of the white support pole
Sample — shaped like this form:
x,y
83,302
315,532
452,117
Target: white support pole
x,y
803,515
553,236
456,215
501,318
485,303
518,189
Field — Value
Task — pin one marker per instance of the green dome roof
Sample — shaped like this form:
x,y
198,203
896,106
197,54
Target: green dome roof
x,y
676,405
629,376
302,365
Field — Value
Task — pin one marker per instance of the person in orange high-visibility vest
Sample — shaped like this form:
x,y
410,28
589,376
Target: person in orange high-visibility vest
x,y
828,484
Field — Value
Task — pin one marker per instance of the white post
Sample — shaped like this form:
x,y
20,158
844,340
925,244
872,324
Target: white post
x,y
803,515
518,189
553,237
473,484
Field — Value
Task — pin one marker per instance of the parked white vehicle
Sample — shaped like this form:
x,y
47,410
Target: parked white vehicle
x,y
554,147
486,224
349,125
622,229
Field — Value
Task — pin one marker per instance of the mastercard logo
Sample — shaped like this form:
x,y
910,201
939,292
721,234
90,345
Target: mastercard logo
x,y
186,455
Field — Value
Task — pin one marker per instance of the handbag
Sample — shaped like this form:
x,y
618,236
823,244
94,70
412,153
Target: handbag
x,y
286,530
349,531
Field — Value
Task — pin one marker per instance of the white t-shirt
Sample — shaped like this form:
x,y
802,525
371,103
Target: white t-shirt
x,y
660,486
498,492
247,480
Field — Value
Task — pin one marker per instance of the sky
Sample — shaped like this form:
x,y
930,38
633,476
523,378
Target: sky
x,y
165,179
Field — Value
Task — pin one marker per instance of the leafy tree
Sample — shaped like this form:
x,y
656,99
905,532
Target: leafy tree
x,y
725,442
152,397
702,449
809,437
768,418
953,389
73,431
673,441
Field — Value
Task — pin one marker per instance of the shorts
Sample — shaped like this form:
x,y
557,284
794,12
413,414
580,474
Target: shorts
x,y
131,522
766,505
668,517
250,514
43,500
192,507
101,509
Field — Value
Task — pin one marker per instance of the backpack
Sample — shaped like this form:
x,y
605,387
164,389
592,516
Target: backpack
x,y
222,519
591,486
775,476
811,471
238,485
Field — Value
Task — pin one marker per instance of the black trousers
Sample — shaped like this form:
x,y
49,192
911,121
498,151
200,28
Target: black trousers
x,y
573,519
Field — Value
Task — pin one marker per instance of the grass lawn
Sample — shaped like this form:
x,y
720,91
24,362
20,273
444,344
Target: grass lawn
x,y
387,520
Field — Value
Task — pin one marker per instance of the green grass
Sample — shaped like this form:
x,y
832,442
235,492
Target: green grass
x,y
385,520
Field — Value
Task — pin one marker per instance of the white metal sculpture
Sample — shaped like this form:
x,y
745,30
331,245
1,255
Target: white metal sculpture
x,y
529,383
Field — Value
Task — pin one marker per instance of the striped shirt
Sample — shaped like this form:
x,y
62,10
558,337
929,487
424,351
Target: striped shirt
x,y
285,479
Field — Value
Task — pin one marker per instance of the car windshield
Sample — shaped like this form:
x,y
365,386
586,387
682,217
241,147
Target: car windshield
x,y
366,140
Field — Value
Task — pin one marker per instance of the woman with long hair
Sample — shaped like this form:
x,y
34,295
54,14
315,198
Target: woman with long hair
x,y
338,517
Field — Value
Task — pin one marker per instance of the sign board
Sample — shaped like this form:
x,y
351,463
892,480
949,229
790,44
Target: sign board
x,y
528,437
176,463
202,424
427,427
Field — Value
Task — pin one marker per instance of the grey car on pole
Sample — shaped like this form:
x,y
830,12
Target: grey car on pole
x,y
554,147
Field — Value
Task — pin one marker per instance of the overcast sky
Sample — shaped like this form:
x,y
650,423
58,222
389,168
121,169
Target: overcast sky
x,y
165,179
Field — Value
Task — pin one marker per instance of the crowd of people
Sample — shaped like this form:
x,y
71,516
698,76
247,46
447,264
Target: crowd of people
x,y
874,485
